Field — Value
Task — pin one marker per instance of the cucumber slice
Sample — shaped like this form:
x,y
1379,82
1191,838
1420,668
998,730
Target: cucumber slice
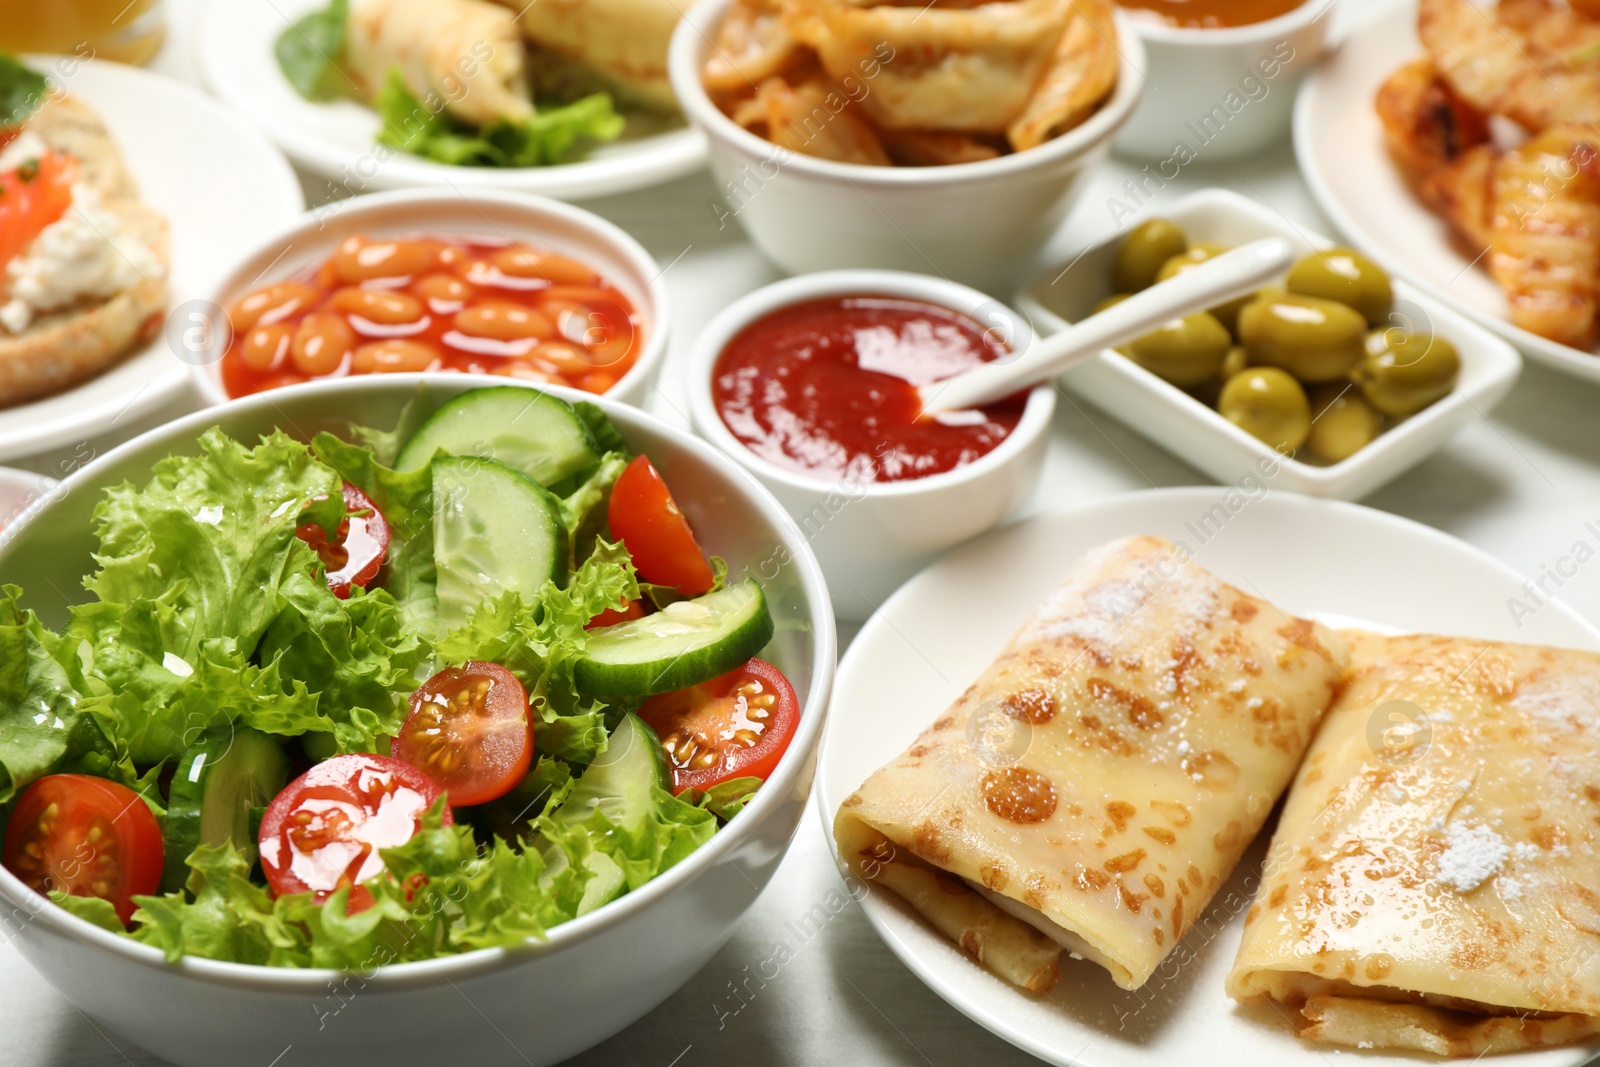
x,y
494,531
221,778
529,431
682,645
619,784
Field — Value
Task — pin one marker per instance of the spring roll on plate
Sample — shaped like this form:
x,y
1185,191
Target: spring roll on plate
x,y
464,52
1434,882
1096,785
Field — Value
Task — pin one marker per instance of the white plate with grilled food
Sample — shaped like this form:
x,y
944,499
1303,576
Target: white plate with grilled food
x,y
1168,692
337,137
151,187
1413,220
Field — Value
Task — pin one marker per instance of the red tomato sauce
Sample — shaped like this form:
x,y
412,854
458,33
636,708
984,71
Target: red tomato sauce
x,y
431,304
829,387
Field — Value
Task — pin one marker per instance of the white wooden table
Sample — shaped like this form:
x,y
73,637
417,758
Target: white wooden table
x,y
1520,484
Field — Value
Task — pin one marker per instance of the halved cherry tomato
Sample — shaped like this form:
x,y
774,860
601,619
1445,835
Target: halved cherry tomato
x,y
85,836
644,515
363,543
470,731
32,197
612,616
324,832
734,726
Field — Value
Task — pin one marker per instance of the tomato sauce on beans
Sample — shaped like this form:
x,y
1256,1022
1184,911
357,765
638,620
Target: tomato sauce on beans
x,y
428,304
829,387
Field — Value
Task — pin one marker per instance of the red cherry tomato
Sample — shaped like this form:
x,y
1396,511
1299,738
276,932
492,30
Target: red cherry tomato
x,y
737,725
85,836
612,616
363,542
657,536
470,731
323,833
32,197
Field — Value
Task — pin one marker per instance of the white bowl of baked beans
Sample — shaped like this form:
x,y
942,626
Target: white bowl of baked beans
x,y
496,284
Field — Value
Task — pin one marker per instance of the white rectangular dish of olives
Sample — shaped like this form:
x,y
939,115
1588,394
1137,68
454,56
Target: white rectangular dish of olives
x,y
1331,385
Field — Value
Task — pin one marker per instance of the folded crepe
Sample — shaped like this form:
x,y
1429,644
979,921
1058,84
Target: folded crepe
x,y
624,41
464,52
1433,884
1097,784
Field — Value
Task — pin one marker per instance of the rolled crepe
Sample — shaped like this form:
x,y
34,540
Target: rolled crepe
x,y
1433,884
623,40
1100,780
465,52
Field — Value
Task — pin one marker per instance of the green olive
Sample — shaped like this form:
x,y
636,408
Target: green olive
x,y
1268,404
1149,246
1111,301
1227,314
1314,339
1342,422
1235,362
1348,277
1185,352
1404,372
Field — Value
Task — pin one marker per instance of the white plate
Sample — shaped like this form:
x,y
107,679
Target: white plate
x,y
1193,430
338,140
1339,143
220,185
935,636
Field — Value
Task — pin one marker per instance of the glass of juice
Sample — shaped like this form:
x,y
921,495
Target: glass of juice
x,y
129,31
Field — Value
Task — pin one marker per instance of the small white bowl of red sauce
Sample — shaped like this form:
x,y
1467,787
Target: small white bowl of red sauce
x,y
515,287
811,385
1220,77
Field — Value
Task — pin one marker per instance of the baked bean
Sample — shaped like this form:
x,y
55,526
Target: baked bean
x,y
382,306
278,381
520,261
516,368
273,303
504,322
361,260
563,358
321,342
596,383
443,290
264,347
394,355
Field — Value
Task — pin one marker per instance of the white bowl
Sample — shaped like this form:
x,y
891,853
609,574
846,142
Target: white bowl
x,y
305,243
21,490
1217,94
1196,433
872,536
337,140
980,223
539,1002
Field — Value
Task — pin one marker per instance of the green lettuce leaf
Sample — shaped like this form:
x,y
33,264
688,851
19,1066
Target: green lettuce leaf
x,y
541,139
724,800
91,909
310,49
583,511
669,831
46,714
22,90
360,656
212,537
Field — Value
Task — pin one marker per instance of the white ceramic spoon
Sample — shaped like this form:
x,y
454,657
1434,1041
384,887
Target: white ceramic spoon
x,y
1216,281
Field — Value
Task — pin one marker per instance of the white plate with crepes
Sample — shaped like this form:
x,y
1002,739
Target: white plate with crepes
x,y
1341,563
1339,144
219,184
338,140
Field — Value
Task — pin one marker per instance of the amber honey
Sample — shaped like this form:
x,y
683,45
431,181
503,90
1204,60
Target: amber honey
x,y
129,31
1214,14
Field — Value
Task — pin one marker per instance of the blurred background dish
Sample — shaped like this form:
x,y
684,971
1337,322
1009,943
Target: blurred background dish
x,y
218,184
980,223
337,138
1340,145
1220,77
481,282
127,31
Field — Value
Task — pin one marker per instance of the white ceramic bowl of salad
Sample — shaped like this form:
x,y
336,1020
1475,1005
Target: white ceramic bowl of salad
x,y
614,343
536,1000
